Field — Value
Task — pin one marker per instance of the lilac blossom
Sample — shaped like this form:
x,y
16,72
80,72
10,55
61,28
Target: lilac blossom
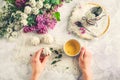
x,y
41,28
20,3
83,30
29,29
46,20
43,23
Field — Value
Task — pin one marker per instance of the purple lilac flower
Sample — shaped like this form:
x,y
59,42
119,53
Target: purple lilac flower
x,y
83,30
60,5
41,28
39,18
55,9
20,3
43,23
52,23
29,29
46,20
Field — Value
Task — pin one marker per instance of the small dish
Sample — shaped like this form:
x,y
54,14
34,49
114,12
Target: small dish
x,y
72,47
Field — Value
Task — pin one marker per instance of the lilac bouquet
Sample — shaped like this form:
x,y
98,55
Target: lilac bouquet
x,y
36,16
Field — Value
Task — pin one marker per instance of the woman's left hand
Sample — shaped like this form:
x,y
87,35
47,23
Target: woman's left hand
x,y
38,63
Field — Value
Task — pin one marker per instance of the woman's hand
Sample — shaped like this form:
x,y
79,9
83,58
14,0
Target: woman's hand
x,y
85,63
85,59
38,64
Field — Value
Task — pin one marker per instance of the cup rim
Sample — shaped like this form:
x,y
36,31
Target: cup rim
x,y
77,52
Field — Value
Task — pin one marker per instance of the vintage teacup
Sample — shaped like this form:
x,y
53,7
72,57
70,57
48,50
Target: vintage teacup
x,y
72,47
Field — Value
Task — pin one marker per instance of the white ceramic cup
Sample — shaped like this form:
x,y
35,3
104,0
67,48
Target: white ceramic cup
x,y
75,46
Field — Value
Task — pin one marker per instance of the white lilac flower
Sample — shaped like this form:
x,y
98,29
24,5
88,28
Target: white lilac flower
x,y
32,3
14,34
27,10
24,16
13,14
39,4
24,22
11,38
1,25
35,11
17,27
10,25
7,35
9,30
42,0
17,23
3,22
48,6
18,12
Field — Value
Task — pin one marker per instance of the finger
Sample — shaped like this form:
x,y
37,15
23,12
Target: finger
x,y
88,53
41,58
38,53
82,53
32,59
45,59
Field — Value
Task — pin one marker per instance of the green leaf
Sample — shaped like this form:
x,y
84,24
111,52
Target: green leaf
x,y
59,56
12,8
56,2
67,67
54,62
67,1
46,1
17,16
51,49
10,1
41,11
53,1
36,0
31,20
56,52
11,19
57,16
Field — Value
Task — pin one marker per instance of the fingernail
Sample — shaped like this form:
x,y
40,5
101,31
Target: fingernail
x,y
82,48
31,55
42,49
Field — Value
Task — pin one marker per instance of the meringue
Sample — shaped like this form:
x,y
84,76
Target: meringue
x,y
35,41
47,39
46,51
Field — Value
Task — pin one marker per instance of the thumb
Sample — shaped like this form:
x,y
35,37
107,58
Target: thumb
x,y
82,53
45,60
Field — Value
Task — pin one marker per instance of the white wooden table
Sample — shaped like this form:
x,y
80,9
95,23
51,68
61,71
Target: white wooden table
x,y
106,49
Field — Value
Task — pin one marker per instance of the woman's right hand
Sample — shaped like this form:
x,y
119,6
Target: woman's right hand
x,y
85,59
85,63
